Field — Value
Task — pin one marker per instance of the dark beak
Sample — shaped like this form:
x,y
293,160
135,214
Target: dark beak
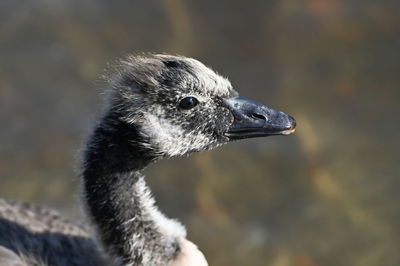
x,y
253,119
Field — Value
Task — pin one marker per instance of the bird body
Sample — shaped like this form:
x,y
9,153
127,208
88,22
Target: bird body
x,y
158,106
34,235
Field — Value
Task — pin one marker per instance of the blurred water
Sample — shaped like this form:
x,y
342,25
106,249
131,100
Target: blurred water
x,y
326,196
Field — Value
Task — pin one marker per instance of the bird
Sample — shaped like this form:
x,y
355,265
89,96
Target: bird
x,y
157,106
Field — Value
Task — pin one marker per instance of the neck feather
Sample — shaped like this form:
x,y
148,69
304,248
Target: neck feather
x,y
129,225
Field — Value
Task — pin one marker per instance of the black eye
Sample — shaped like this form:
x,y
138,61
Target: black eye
x,y
188,103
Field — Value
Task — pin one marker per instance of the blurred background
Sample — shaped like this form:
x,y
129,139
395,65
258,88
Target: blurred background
x,y
328,195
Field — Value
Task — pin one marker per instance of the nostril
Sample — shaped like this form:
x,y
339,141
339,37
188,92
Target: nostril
x,y
258,116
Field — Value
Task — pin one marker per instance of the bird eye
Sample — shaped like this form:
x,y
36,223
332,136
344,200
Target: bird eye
x,y
188,103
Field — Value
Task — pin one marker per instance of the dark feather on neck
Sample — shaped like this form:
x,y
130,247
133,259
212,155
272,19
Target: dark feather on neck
x,y
116,195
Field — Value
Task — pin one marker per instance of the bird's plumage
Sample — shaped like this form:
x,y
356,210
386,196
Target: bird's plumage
x,y
157,106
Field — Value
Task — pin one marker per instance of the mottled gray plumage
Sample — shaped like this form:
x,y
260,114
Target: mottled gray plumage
x,y
34,235
157,106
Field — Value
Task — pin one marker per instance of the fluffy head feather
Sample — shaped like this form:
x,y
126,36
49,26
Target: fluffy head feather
x,y
146,92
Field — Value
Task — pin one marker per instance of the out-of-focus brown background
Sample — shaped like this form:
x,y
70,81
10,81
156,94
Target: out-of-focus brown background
x,y
329,195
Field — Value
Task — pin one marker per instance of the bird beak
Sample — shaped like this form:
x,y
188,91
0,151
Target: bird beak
x,y
253,119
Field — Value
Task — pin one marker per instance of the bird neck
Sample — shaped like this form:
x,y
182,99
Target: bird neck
x,y
128,223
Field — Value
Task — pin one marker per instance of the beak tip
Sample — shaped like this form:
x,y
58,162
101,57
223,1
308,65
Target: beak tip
x,y
291,126
292,122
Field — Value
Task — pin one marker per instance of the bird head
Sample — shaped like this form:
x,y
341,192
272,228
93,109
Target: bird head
x,y
179,106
